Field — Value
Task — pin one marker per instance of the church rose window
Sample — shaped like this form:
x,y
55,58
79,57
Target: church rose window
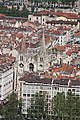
x,y
21,65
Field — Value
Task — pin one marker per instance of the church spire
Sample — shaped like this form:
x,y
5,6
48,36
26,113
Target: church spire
x,y
23,45
43,43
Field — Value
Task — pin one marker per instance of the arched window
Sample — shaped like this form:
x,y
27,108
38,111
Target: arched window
x,y
31,67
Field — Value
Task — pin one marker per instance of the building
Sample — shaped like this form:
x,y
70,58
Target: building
x,y
31,58
61,35
77,37
56,18
6,81
31,83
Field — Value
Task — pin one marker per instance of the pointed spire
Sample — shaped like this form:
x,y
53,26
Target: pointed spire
x,y
23,46
43,43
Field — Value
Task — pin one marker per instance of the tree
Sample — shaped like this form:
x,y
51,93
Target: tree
x,y
14,12
1,110
39,107
66,108
72,107
12,109
58,106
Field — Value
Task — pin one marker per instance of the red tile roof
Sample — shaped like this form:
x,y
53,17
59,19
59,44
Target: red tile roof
x,y
19,35
2,15
64,28
69,52
77,34
64,68
59,48
58,32
64,14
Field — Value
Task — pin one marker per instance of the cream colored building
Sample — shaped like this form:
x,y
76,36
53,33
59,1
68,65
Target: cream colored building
x,y
45,16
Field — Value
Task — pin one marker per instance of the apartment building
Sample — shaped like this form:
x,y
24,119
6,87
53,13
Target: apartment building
x,y
6,81
61,35
77,37
31,83
56,18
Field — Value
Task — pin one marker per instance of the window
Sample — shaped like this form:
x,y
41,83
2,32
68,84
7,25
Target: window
x,y
24,94
43,20
28,95
21,58
32,95
32,91
37,18
73,90
77,95
55,88
41,59
28,91
69,90
77,90
20,84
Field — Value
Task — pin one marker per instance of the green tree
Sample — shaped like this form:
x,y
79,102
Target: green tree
x,y
1,110
58,106
14,12
66,108
39,107
72,107
12,109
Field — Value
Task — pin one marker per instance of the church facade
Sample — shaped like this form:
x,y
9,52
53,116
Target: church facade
x,y
32,59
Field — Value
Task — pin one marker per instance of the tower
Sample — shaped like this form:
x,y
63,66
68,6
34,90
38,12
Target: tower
x,y
43,44
22,57
43,55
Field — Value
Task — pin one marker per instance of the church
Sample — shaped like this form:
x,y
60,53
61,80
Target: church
x,y
31,59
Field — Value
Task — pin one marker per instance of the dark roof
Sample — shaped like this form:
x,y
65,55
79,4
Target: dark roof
x,y
34,78
65,82
61,82
62,22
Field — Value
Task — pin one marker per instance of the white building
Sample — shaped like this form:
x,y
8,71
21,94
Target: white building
x,y
56,18
77,37
31,83
61,35
31,58
6,81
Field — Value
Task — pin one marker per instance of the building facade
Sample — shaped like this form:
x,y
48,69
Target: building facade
x,y
6,81
33,83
